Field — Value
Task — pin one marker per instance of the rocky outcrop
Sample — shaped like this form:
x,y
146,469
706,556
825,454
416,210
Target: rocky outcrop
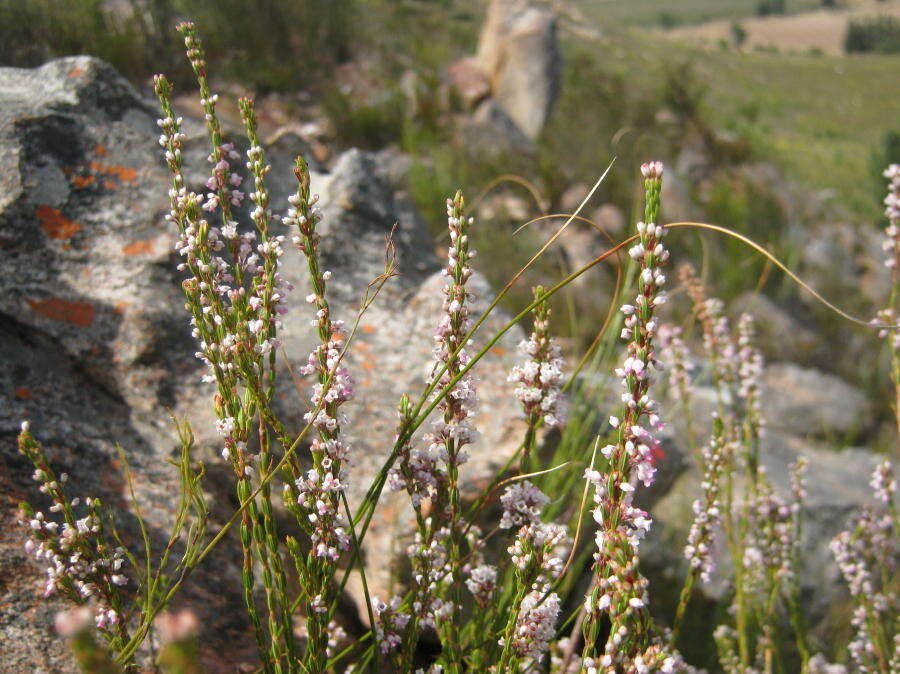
x,y
519,53
95,347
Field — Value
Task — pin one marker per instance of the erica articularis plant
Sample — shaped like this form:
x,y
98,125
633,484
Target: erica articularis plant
x,y
232,300
890,315
320,491
540,378
118,597
867,556
537,554
707,517
619,590
769,549
80,559
717,341
432,472
675,355
453,431
762,528
467,606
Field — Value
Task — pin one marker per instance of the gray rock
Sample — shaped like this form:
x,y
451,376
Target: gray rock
x,y
493,132
837,486
809,403
779,335
519,52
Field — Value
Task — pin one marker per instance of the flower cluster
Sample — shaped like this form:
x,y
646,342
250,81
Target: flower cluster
x,y
78,560
883,483
539,548
431,568
482,583
421,471
538,553
318,492
770,536
234,289
750,369
889,316
675,354
866,555
522,504
892,211
536,623
707,509
390,622
540,377
620,590
710,313
418,469
452,430
656,658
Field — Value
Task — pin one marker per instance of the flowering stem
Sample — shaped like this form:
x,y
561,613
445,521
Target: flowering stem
x,y
621,590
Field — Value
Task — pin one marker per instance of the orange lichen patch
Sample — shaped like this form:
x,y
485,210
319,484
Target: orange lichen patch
x,y
110,480
122,306
123,173
54,224
139,247
110,185
368,329
368,365
498,351
58,309
96,350
75,72
23,393
100,151
80,182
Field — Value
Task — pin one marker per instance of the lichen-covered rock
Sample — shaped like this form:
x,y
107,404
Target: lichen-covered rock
x,y
95,347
